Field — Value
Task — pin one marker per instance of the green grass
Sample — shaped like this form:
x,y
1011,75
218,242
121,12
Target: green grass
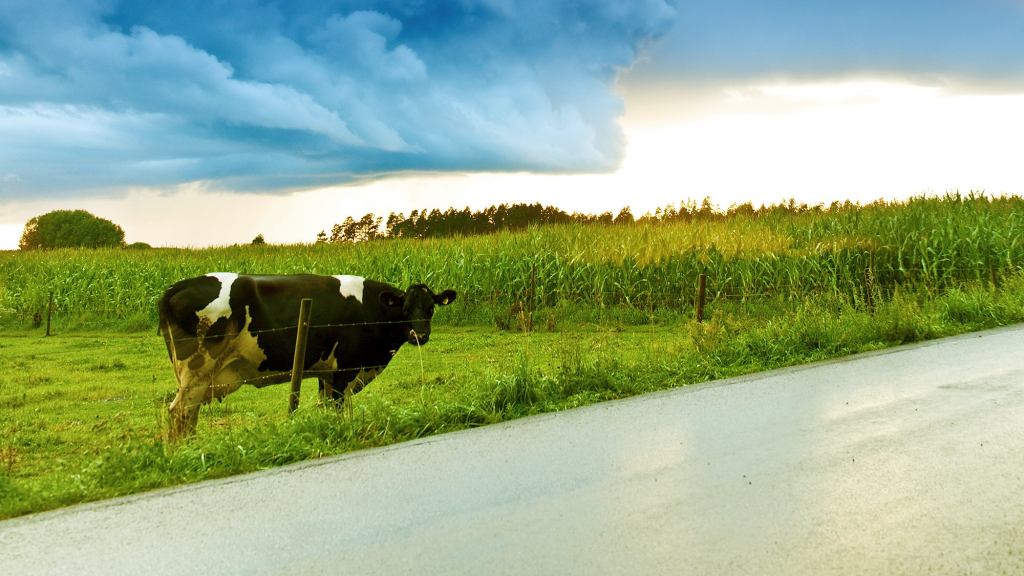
x,y
82,415
929,243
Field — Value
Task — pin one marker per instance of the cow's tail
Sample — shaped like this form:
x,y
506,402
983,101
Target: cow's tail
x,y
163,312
166,315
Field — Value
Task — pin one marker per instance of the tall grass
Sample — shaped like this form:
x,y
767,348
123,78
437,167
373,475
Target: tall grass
x,y
791,287
925,243
555,373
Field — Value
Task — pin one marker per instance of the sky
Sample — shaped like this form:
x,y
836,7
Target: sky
x,y
200,123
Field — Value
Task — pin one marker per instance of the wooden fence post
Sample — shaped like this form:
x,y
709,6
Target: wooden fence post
x,y
49,314
702,282
300,353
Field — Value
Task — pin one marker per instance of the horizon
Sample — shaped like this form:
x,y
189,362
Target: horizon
x,y
655,216
285,120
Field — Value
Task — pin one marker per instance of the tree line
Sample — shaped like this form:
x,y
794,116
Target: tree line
x,y
78,228
452,222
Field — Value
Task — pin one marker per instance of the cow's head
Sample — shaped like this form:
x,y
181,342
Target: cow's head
x,y
417,306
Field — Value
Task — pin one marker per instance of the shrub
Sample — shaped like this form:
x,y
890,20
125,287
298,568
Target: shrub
x,y
70,229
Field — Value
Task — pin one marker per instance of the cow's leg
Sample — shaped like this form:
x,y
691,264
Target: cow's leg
x,y
326,389
193,390
350,382
364,377
341,391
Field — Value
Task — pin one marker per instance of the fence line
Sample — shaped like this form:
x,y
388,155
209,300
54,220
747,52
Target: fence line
x,y
643,287
515,301
297,373
532,299
644,294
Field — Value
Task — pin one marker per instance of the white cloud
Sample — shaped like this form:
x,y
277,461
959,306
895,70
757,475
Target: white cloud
x,y
278,96
849,91
836,140
362,39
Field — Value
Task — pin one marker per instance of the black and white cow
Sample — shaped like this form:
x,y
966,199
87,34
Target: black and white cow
x,y
223,330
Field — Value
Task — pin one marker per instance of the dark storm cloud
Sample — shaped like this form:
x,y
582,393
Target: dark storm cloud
x,y
262,95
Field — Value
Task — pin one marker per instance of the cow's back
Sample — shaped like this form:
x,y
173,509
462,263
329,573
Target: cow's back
x,y
211,308
273,301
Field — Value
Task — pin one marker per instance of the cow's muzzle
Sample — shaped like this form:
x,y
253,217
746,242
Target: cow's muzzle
x,y
418,338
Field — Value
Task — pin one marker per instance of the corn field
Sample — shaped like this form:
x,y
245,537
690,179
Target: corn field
x,y
785,252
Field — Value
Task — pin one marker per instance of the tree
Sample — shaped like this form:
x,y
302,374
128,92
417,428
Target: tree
x,y
395,225
368,228
351,231
70,229
625,216
344,232
259,240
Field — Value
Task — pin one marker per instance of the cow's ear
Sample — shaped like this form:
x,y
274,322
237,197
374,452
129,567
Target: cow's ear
x,y
391,299
445,298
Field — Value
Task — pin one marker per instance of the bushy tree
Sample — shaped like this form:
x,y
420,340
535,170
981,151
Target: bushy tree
x,y
365,229
70,229
625,216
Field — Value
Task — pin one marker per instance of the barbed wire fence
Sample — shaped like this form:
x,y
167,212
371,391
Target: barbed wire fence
x,y
520,309
532,292
534,295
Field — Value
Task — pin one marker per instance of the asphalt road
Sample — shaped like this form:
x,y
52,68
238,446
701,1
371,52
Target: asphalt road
x,y
909,461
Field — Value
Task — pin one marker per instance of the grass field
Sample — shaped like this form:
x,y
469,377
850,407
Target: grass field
x,y
82,412
932,244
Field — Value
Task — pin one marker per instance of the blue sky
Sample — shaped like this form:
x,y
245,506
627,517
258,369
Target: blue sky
x,y
977,39
127,106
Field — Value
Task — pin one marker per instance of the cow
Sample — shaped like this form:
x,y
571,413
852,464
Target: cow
x,y
223,330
